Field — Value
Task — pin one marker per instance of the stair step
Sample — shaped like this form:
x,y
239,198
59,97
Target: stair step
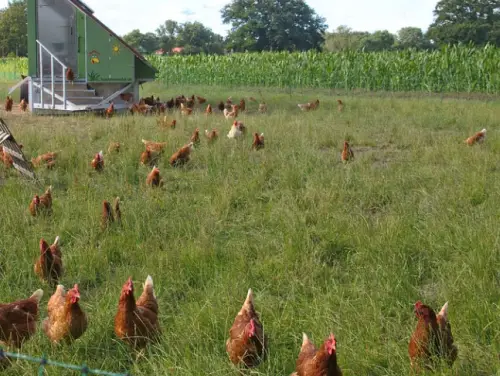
x,y
59,85
60,109
56,78
47,80
76,100
94,97
85,100
76,93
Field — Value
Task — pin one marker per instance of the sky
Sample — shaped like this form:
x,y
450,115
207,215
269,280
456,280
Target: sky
x,y
123,16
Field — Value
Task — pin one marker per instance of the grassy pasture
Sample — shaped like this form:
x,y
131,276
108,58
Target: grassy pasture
x,y
326,247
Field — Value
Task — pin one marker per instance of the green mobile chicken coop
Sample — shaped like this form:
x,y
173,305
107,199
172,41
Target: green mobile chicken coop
x,y
65,33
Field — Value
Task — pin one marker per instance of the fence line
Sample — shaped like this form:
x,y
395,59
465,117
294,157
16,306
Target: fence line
x,y
44,362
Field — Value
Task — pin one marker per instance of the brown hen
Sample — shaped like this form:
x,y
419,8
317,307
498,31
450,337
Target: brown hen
x,y
340,105
313,362
181,156
70,75
114,147
46,201
258,141
35,206
478,138
110,110
309,106
154,146
9,102
49,159
153,179
242,105
7,160
431,339
18,319
67,321
98,162
195,137
107,216
23,105
136,322
49,266
211,135
118,210
247,344
347,153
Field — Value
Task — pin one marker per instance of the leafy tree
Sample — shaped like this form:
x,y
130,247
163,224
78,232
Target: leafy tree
x,y
134,38
195,38
167,34
169,29
146,43
273,25
476,21
378,41
412,37
150,42
13,28
343,39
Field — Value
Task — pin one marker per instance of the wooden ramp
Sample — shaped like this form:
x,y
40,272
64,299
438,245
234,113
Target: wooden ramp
x,y
11,147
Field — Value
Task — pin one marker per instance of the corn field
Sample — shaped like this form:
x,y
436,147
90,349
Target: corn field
x,y
12,68
451,69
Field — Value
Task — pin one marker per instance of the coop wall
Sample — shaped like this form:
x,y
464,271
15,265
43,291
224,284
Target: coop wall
x,y
109,60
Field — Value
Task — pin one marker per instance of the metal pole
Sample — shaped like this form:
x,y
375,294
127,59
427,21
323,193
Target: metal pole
x,y
41,74
52,80
30,94
86,55
64,87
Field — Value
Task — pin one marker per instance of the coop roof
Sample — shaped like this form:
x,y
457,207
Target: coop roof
x,y
89,12
83,5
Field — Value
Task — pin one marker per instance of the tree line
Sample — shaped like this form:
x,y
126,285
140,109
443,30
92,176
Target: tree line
x,y
288,25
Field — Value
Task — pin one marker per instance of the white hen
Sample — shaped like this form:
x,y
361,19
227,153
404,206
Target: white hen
x,y
236,130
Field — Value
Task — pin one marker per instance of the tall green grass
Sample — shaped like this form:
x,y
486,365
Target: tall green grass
x,y
451,69
325,247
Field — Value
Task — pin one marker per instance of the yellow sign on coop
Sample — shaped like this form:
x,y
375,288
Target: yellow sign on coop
x,y
94,57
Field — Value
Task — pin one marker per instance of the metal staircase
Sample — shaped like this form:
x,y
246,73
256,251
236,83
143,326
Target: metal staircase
x,y
52,92
62,95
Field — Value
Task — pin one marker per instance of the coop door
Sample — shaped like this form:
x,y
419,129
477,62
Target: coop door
x,y
56,31
81,45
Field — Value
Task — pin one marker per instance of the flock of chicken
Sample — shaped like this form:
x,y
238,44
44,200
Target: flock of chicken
x,y
9,104
136,321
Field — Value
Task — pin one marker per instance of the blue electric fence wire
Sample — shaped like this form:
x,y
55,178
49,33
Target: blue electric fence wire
x,y
44,362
